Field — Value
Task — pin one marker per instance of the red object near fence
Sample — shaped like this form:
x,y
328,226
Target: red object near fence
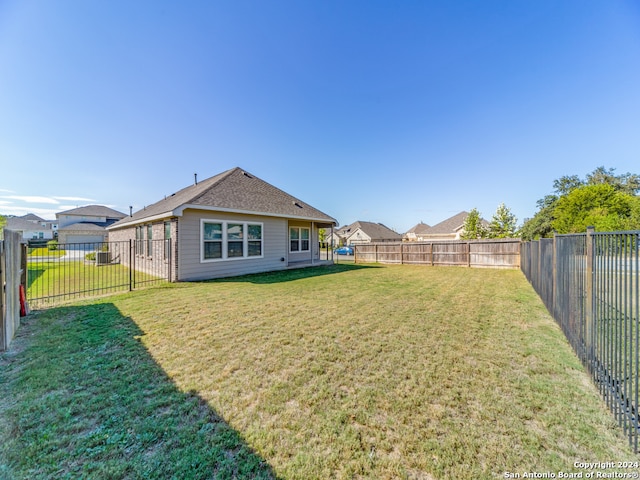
x,y
23,302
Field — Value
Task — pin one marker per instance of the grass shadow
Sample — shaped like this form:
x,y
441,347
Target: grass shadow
x,y
294,274
80,396
33,274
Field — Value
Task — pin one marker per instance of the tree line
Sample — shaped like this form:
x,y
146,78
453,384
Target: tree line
x,y
601,199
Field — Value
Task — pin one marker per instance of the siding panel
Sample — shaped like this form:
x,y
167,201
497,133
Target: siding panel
x,y
191,268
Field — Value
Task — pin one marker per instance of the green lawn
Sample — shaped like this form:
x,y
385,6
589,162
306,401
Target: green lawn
x,y
45,252
53,281
334,372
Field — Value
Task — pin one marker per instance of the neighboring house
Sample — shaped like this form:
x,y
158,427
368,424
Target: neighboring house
x,y
31,227
366,232
449,229
230,224
415,233
86,224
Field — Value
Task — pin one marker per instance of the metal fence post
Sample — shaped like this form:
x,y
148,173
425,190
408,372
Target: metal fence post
x,y
589,290
554,275
131,264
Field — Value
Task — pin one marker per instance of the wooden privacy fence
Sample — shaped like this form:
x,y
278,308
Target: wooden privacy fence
x,y
11,277
494,253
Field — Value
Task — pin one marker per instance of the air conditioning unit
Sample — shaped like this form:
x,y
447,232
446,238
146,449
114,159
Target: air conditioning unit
x,y
103,258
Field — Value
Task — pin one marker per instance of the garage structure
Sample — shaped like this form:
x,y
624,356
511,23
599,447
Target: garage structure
x,y
86,224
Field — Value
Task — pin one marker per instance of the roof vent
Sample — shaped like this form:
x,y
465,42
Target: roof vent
x,y
246,174
297,204
195,178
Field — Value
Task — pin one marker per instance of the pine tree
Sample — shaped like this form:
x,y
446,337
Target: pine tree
x,y
503,223
473,227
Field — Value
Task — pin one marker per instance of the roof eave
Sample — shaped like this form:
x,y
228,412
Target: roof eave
x,y
178,212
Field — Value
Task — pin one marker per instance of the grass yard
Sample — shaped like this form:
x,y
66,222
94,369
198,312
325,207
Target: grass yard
x,y
52,281
45,252
346,371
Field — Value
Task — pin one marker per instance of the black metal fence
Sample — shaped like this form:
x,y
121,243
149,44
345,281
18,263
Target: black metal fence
x,y
590,283
63,272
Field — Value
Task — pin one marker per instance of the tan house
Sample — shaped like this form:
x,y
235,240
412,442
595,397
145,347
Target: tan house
x,y
230,224
415,234
365,232
32,227
86,225
450,229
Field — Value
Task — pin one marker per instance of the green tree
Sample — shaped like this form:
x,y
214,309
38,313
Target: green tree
x,y
628,182
503,223
569,219
565,184
599,205
473,228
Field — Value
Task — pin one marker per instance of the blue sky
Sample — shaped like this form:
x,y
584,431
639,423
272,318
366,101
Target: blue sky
x,y
393,112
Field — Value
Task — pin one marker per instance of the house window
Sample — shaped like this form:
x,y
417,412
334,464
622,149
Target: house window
x,y
254,240
230,240
234,240
212,241
149,240
299,239
138,246
167,237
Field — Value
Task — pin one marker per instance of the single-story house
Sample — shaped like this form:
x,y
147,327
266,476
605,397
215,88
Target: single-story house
x,y
415,233
230,224
31,227
86,224
368,232
450,229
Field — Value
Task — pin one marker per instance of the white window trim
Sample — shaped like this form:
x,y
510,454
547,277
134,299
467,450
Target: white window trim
x,y
225,239
299,239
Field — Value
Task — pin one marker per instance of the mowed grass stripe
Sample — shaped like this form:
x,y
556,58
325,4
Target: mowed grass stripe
x,y
365,371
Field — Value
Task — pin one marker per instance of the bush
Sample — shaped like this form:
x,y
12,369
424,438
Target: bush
x,y
90,256
52,245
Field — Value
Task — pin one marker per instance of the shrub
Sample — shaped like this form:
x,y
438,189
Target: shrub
x,y
52,245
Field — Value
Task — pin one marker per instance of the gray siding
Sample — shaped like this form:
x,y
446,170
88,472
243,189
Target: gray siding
x,y
190,267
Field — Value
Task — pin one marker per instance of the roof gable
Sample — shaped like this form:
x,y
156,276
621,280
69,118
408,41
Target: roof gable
x,y
450,225
93,211
235,190
419,228
375,231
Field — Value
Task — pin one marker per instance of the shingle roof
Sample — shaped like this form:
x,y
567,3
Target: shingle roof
x,y
234,190
83,226
376,231
419,228
93,211
32,217
19,223
450,225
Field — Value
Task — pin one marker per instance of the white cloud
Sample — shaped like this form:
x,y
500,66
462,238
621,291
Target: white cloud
x,y
32,199
74,199
46,213
5,190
